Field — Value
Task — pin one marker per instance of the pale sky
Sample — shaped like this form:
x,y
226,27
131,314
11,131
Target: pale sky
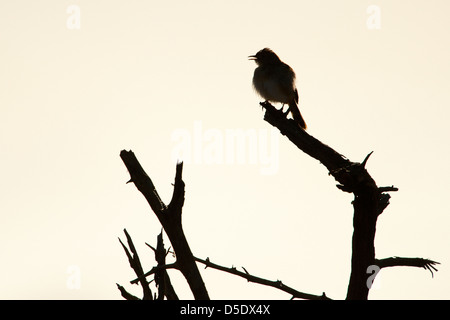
x,y
151,76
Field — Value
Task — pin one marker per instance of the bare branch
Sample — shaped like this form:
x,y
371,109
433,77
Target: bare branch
x,y
154,270
365,159
151,247
387,189
170,218
142,181
408,262
126,294
307,143
275,284
135,264
352,177
162,279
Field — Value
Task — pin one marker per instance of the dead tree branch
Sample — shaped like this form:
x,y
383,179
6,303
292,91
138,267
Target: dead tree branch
x,y
275,284
369,202
126,294
162,279
135,263
369,199
408,262
155,270
170,218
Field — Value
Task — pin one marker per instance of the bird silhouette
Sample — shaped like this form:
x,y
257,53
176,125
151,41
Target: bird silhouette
x,y
274,80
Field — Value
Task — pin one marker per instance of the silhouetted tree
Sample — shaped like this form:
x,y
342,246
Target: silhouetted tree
x,y
352,177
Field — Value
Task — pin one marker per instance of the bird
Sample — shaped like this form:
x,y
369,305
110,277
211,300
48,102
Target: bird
x,y
274,80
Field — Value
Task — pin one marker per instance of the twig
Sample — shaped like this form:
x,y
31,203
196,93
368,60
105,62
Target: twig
x,y
387,189
135,264
154,270
363,164
275,284
408,262
126,294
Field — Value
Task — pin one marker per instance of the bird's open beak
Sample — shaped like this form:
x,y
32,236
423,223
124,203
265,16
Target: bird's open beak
x,y
251,57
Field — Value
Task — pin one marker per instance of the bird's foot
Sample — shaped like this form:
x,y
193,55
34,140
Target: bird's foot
x,y
282,110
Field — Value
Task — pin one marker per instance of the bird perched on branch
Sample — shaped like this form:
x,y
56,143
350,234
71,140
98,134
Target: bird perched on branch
x,y
274,80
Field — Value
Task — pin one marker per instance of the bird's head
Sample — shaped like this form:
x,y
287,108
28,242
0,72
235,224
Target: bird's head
x,y
265,56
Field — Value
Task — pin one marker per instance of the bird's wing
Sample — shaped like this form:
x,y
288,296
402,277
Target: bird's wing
x,y
287,83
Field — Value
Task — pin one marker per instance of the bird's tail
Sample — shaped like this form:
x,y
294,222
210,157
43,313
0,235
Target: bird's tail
x,y
293,107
